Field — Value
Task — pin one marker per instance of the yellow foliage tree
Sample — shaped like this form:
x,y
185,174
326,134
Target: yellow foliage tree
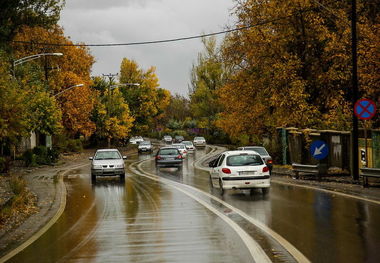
x,y
62,72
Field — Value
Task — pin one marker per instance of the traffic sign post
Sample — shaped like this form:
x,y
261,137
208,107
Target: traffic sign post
x,y
319,150
365,109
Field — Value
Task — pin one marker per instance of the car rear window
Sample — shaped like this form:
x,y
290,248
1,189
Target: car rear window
x,y
145,143
261,151
107,155
244,160
171,151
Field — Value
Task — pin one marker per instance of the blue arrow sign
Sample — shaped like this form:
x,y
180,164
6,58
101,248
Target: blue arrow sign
x,y
319,150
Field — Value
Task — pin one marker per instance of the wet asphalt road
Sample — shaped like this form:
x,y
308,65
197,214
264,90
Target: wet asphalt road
x,y
143,220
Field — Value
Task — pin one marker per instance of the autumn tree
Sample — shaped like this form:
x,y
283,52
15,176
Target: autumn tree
x,y
25,106
208,75
74,68
293,68
147,101
14,14
112,116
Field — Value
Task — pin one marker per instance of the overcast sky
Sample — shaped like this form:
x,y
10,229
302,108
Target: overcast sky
x,y
123,21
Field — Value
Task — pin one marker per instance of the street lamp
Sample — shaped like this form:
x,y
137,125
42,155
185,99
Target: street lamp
x,y
59,93
32,57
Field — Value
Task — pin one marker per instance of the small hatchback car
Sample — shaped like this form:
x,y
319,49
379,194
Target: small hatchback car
x,y
107,162
169,157
239,170
199,142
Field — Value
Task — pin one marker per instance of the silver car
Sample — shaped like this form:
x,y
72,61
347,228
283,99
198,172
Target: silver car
x,y
199,142
107,162
145,146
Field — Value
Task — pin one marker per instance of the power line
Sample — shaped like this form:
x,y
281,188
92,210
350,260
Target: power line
x,y
154,41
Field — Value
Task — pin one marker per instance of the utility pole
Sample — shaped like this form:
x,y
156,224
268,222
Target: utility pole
x,y
355,95
111,78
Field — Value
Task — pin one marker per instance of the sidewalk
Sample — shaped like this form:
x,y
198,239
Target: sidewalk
x,y
336,183
46,184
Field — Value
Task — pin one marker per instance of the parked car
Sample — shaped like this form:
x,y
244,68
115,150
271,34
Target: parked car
x,y
107,162
264,154
169,156
179,138
136,140
199,142
239,170
167,139
182,148
189,145
145,146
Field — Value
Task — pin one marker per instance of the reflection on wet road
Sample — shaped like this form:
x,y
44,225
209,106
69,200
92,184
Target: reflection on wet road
x,y
143,220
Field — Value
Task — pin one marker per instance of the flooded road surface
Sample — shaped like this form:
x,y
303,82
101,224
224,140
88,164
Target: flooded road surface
x,y
136,221
145,220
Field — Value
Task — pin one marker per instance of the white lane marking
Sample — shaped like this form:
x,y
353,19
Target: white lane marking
x,y
256,251
286,244
328,191
52,221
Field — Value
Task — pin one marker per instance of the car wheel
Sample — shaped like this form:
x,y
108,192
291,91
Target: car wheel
x,y
221,187
93,178
211,184
265,190
122,177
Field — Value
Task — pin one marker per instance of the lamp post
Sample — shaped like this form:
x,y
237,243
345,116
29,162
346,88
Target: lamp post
x,y
32,57
59,93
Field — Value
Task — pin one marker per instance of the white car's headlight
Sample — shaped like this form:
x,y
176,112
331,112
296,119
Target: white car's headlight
x,y
96,167
119,166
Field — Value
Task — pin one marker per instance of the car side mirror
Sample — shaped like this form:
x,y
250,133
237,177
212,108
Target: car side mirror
x,y
91,158
124,157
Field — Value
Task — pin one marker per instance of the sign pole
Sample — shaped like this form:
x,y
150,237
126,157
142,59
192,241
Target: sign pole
x,y
355,96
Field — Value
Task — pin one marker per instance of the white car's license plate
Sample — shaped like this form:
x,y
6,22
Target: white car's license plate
x,y
247,173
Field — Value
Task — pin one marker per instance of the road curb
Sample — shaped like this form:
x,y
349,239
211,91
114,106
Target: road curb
x,y
62,193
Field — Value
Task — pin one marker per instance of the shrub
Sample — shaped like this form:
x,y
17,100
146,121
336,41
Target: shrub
x,y
29,158
5,163
74,145
42,156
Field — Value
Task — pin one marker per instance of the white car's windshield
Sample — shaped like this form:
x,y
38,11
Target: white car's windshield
x,y
106,155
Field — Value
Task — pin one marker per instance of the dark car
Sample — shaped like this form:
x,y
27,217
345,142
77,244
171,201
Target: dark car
x,y
263,152
169,157
178,139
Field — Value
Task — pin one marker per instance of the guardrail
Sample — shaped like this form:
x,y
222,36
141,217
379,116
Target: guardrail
x,y
317,169
369,172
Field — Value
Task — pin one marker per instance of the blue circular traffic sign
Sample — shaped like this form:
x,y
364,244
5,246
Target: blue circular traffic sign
x,y
319,150
365,109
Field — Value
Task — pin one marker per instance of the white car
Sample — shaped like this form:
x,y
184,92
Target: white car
x,y
182,149
239,170
199,142
107,162
167,139
136,140
145,146
189,145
